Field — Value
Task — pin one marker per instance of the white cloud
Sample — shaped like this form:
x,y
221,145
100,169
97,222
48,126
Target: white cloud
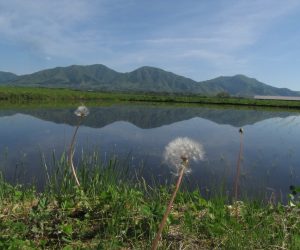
x,y
244,22
49,27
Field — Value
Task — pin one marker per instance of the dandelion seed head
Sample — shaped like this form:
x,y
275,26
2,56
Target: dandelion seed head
x,y
182,150
82,111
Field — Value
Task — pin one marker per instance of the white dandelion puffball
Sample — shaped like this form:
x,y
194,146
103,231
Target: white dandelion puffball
x,y
82,111
183,149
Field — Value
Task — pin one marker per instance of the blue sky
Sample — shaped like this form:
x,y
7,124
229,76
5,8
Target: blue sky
x,y
197,39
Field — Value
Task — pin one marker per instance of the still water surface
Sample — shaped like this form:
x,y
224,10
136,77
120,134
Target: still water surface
x,y
138,134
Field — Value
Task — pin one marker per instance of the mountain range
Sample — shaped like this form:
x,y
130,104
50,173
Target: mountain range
x,y
144,79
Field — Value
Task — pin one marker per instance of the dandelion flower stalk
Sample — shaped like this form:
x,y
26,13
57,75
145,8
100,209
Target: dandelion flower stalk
x,y
81,112
178,153
168,210
238,170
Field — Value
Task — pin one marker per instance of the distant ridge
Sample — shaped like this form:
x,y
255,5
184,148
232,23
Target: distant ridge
x,y
7,76
144,79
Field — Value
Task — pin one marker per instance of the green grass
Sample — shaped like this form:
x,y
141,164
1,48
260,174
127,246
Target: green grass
x,y
30,94
112,210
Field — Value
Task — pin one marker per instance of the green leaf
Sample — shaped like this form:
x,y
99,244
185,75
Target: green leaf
x,y
67,229
18,194
146,211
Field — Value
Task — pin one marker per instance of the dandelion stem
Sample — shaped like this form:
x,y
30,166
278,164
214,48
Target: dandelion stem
x,y
71,152
168,210
238,170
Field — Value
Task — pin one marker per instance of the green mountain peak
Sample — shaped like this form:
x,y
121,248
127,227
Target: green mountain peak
x,y
143,79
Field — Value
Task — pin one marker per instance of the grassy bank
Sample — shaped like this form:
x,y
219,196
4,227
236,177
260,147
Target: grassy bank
x,y
111,210
27,94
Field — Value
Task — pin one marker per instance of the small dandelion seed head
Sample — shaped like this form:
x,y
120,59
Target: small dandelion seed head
x,y
180,151
82,111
